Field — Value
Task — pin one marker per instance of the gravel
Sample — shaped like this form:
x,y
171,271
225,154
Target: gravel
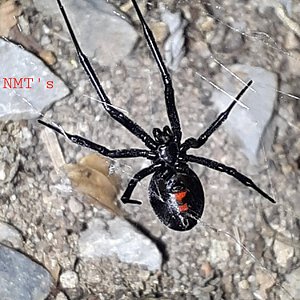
x,y
37,201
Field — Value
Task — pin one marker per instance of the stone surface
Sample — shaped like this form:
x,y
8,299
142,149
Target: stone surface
x,y
69,279
174,46
248,125
112,37
10,235
75,206
292,284
265,280
219,251
38,207
21,278
283,253
119,238
47,6
61,296
18,103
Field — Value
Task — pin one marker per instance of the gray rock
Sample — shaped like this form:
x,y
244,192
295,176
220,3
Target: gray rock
x,y
174,46
263,4
61,296
21,278
292,284
69,279
219,251
50,7
249,126
25,103
8,234
103,33
3,170
283,253
75,206
118,237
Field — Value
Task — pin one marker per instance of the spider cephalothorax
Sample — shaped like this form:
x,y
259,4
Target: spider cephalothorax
x,y
175,191
168,150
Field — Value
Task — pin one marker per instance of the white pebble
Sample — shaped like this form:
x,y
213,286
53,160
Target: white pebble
x,y
69,280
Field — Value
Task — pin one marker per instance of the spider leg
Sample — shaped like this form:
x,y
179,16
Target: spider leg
x,y
119,153
230,171
133,182
197,143
117,115
169,91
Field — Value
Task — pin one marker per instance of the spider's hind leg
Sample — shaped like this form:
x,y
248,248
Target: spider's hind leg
x,y
230,171
134,181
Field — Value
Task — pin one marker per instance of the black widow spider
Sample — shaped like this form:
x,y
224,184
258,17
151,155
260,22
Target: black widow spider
x,y
175,191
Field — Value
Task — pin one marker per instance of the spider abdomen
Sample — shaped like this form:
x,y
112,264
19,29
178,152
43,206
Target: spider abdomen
x,y
177,198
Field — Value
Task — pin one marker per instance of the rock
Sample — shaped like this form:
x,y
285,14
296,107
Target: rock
x,y
264,4
21,278
292,284
117,237
291,41
46,6
294,63
3,170
219,251
10,235
69,280
283,253
244,284
75,206
18,103
160,31
249,126
265,280
26,138
174,46
104,34
61,296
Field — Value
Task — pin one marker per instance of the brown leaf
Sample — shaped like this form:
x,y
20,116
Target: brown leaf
x,y
91,177
101,164
9,10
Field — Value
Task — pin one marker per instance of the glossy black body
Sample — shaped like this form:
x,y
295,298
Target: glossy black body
x,y
175,191
163,187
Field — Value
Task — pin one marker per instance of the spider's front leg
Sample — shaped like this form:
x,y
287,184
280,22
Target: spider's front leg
x,y
133,182
230,171
169,91
116,114
197,143
118,153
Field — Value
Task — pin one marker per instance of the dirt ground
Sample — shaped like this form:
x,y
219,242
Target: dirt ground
x,y
208,262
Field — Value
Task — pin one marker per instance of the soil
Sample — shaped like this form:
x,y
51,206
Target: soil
x,y
230,255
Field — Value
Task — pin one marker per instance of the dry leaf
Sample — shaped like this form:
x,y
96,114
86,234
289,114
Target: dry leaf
x,y
101,164
91,177
9,10
97,162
